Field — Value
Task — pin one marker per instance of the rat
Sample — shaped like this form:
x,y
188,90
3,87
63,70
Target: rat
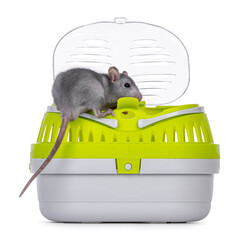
x,y
79,90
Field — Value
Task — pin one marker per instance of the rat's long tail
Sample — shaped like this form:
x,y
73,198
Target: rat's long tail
x,y
57,144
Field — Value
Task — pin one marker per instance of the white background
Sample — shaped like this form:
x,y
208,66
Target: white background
x,y
29,31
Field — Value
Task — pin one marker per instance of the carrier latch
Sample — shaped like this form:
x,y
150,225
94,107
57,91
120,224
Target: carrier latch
x,y
128,165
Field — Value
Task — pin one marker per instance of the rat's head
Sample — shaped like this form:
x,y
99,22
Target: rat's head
x,y
123,85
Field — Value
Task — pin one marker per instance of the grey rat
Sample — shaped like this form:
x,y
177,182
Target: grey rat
x,y
79,90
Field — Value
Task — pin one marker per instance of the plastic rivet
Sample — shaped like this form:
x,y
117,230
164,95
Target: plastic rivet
x,y
128,166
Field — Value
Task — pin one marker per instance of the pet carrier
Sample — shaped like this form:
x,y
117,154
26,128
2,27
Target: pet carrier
x,y
150,163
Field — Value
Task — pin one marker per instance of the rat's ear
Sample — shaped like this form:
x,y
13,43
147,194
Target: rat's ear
x,y
125,73
113,74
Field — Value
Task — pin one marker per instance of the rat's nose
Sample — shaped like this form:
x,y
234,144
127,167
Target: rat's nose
x,y
139,97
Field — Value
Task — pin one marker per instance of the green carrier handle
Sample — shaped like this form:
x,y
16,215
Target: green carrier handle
x,y
113,123
145,122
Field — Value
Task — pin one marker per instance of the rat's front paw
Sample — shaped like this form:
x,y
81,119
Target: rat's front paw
x,y
100,114
110,111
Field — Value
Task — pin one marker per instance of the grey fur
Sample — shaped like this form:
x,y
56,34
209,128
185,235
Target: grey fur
x,y
79,90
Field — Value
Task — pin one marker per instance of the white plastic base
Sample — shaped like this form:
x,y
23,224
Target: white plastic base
x,y
124,198
124,212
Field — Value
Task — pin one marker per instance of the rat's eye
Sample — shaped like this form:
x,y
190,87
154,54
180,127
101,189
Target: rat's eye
x,y
127,85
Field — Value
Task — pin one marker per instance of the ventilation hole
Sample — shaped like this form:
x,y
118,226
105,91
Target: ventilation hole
x,y
91,56
93,49
175,136
69,136
114,138
151,95
203,139
144,41
127,139
50,134
103,137
186,135
80,136
149,56
140,138
95,41
90,136
195,139
152,77
153,138
165,137
146,49
152,85
89,63
152,63
152,88
44,132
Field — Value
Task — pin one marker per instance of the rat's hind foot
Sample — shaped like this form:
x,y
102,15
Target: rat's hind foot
x,y
100,114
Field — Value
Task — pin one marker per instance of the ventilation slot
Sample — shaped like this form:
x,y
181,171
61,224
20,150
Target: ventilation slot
x,y
149,56
50,134
145,41
93,49
95,41
175,136
203,139
89,63
114,138
186,135
152,63
44,132
153,77
140,138
153,138
80,136
93,57
195,139
90,136
165,137
69,136
90,56
146,49
150,85
103,139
